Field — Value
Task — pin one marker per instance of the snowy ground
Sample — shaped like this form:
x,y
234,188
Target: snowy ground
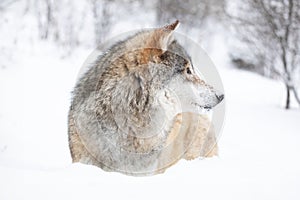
x,y
259,147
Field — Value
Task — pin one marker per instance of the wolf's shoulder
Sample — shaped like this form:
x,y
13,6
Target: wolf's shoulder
x,y
92,75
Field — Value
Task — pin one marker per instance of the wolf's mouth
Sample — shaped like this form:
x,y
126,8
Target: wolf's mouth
x,y
202,107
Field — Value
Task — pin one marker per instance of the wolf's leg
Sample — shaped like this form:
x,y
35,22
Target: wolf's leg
x,y
202,141
210,147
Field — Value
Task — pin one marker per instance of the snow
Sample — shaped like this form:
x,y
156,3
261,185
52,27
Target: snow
x,y
259,147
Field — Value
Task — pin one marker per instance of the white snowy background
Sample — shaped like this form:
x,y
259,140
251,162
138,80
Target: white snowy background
x,y
259,147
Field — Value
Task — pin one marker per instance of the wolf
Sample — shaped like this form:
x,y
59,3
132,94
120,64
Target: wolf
x,y
137,109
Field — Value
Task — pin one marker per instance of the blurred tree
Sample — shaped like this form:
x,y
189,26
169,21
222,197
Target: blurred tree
x,y
44,17
5,3
46,11
192,13
270,33
102,13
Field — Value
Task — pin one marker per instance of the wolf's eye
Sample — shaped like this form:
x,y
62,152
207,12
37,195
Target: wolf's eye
x,y
188,70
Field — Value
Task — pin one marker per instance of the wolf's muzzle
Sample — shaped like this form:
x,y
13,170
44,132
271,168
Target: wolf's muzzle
x,y
220,97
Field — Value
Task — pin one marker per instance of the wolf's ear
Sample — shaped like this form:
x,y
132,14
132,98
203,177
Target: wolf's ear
x,y
172,27
162,37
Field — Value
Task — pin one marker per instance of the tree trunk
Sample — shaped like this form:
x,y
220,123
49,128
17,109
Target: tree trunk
x,y
296,95
287,104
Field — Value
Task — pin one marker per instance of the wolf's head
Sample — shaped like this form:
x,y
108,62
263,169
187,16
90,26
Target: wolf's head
x,y
147,72
170,69
192,91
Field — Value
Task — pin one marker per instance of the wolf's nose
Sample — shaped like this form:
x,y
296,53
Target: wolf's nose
x,y
220,97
